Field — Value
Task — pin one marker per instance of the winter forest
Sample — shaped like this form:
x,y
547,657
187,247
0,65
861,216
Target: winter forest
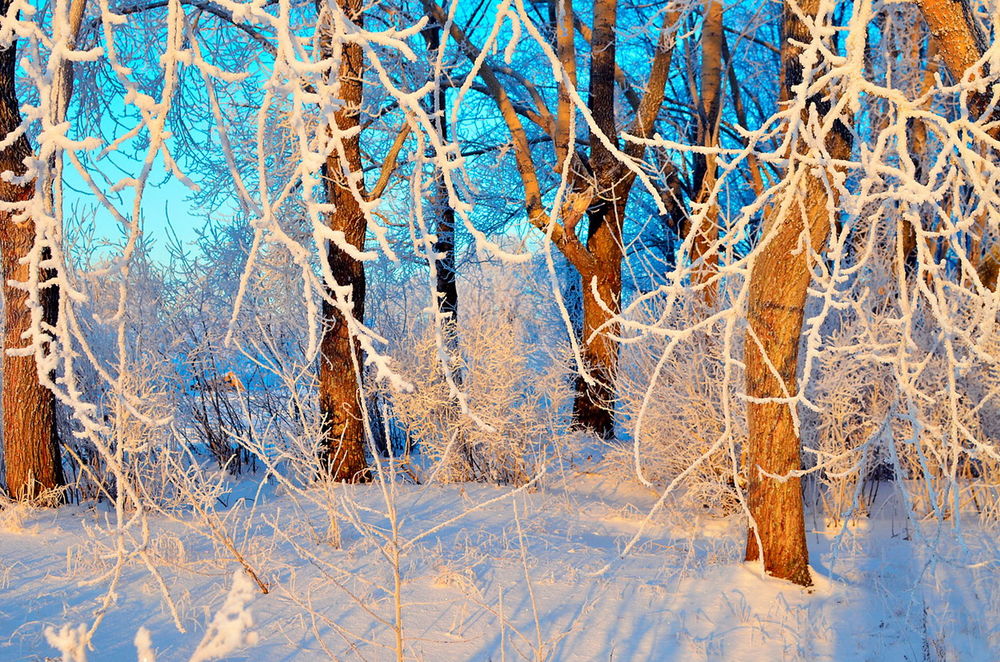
x,y
500,330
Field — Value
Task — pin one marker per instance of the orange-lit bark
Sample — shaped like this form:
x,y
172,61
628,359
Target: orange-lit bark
x,y
343,451
31,443
779,282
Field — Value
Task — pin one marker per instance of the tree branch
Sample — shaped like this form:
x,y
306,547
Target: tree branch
x,y
203,5
576,203
389,165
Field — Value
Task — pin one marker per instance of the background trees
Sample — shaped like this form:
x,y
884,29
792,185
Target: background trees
x,y
597,184
354,169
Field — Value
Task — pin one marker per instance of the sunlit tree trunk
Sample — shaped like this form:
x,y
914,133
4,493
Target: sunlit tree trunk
x,y
704,259
959,39
594,406
31,443
340,370
778,288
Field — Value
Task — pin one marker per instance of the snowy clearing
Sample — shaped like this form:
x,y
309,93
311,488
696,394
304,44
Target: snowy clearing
x,y
514,580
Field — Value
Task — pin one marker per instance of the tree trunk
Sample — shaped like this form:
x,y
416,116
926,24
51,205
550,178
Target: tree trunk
x,y
959,39
778,285
778,288
446,285
31,442
594,406
704,258
343,452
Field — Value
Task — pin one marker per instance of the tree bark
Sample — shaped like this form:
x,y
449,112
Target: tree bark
x,y
445,273
778,285
594,406
959,38
989,268
342,454
31,442
704,258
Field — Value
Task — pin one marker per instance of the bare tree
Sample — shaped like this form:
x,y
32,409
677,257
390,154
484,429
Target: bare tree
x,y
343,453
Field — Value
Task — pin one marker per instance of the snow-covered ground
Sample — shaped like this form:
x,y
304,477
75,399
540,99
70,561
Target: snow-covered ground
x,y
533,575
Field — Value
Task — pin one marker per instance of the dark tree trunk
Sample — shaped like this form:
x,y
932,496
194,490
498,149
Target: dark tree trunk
x,y
594,405
340,372
445,273
31,443
447,285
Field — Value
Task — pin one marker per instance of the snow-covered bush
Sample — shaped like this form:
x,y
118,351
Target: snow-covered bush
x,y
509,391
947,423
674,396
509,420
844,430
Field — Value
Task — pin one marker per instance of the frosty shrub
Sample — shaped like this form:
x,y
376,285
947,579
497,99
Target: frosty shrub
x,y
514,392
843,433
674,396
947,423
883,404
215,406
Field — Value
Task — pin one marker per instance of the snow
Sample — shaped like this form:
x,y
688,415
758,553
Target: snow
x,y
578,563
229,630
517,579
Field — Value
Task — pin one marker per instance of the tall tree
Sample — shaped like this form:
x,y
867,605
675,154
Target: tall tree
x,y
340,370
779,280
31,442
704,256
445,271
